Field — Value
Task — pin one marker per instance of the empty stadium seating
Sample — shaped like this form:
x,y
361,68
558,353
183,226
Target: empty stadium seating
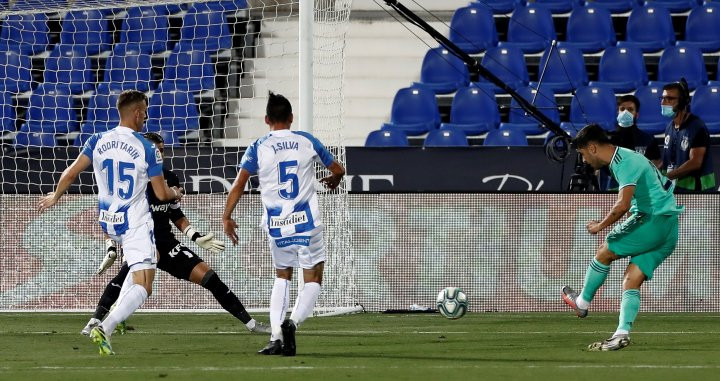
x,y
414,111
443,72
446,138
590,28
472,28
706,104
505,137
474,111
15,74
387,138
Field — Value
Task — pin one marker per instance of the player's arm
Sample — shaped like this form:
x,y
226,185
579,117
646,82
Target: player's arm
x,y
622,206
66,179
337,172
694,163
236,191
206,241
162,191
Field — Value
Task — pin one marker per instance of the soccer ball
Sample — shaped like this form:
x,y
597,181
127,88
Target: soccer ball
x,y
452,303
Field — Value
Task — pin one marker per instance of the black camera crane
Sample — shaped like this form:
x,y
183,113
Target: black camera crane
x,y
557,148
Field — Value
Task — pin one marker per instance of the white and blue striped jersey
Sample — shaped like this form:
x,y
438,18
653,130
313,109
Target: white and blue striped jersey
x,y
284,161
123,162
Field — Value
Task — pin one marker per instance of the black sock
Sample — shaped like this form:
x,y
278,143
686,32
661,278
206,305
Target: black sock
x,y
225,297
111,293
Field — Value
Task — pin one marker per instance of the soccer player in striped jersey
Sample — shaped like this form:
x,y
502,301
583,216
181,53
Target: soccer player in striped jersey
x,y
123,162
284,161
648,236
175,258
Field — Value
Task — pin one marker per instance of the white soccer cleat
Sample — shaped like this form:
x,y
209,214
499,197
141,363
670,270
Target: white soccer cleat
x,y
92,323
260,327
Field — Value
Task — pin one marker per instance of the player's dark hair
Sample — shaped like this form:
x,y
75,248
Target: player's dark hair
x,y
683,94
130,97
592,133
630,98
154,137
278,108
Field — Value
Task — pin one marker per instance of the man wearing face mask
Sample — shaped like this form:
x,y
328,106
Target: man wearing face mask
x,y
628,135
686,153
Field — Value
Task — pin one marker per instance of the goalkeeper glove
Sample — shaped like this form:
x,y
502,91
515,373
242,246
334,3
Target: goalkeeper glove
x,y
206,241
111,254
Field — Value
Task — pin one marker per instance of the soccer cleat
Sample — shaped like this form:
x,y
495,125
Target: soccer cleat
x,y
121,328
272,348
98,337
569,296
612,344
288,330
261,327
92,323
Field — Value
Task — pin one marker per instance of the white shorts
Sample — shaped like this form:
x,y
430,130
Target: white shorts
x,y
302,250
138,246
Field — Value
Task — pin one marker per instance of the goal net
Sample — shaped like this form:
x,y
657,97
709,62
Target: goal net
x,y
207,68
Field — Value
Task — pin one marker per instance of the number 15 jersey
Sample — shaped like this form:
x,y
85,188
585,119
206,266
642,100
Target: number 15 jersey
x,y
284,161
123,162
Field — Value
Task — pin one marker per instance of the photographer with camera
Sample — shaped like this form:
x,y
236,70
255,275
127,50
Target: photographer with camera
x,y
686,153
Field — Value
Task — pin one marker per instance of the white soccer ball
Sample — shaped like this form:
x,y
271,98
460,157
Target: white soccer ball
x,y
452,303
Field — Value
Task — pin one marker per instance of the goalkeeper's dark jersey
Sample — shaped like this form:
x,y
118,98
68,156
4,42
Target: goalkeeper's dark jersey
x,y
164,213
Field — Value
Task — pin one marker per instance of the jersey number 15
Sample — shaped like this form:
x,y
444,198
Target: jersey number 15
x,y
122,179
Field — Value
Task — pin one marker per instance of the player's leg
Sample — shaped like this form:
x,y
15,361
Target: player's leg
x,y
108,298
595,276
311,257
284,259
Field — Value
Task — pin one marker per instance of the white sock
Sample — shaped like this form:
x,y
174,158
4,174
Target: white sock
x,y
621,332
125,306
251,324
305,302
581,303
278,306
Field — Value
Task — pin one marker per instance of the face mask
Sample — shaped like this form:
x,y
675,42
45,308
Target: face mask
x,y
625,119
667,111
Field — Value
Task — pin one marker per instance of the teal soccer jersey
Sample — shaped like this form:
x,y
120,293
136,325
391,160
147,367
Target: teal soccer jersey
x,y
653,191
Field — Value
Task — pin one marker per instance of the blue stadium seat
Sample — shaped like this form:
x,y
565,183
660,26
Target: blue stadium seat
x,y
497,6
102,111
222,6
474,111
206,30
565,69
15,76
508,64
190,70
472,29
677,5
88,28
650,119
51,110
622,69
7,112
594,104
544,101
446,138
386,138
568,127
128,68
505,137
443,72
68,67
616,6
169,9
170,139
26,34
702,29
80,139
706,104
414,111
146,27
172,110
682,61
650,28
557,6
531,29
590,28
26,138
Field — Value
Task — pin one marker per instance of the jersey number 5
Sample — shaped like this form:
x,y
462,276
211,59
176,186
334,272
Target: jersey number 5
x,y
285,177
123,178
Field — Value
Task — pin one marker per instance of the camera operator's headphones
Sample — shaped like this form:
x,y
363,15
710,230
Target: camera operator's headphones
x,y
684,99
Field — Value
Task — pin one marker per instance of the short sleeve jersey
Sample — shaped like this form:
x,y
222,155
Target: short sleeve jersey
x,y
123,162
284,161
653,191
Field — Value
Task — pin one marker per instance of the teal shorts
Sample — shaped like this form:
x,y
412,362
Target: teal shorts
x,y
647,239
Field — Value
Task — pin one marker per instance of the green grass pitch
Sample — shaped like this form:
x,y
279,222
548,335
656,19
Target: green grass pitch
x,y
209,347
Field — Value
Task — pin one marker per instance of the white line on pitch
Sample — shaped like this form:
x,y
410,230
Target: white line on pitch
x,y
377,332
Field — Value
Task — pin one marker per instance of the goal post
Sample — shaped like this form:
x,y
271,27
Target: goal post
x,y
207,67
